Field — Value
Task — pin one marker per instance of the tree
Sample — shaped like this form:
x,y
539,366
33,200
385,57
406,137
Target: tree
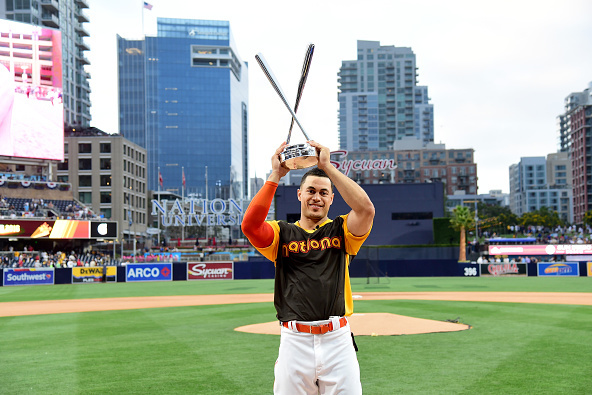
x,y
587,220
541,217
462,218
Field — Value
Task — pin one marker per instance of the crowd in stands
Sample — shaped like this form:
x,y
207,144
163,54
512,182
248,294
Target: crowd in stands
x,y
68,209
38,259
571,234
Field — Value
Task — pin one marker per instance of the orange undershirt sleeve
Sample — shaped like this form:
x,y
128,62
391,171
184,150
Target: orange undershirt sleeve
x,y
259,232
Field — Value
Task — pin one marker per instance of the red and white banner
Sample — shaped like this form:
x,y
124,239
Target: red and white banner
x,y
549,249
210,270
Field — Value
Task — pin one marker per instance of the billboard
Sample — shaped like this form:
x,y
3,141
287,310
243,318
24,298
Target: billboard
x,y
149,272
31,106
210,270
28,276
96,274
504,269
544,249
58,229
563,269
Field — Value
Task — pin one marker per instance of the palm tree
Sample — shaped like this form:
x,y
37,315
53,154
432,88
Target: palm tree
x,y
462,219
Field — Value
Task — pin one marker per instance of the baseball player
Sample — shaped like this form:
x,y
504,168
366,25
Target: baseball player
x,y
312,294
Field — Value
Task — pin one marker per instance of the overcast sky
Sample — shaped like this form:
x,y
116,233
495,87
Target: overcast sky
x,y
497,71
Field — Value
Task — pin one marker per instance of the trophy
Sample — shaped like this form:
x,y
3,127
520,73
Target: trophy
x,y
295,156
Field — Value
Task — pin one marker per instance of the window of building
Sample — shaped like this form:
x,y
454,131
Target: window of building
x,y
84,148
62,178
84,164
85,181
105,148
105,163
66,148
105,180
85,197
106,212
105,197
63,165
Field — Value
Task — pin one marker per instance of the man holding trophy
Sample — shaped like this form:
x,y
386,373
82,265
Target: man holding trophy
x,y
312,293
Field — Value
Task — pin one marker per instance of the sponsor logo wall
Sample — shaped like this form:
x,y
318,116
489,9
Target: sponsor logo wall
x,y
28,276
149,272
589,266
94,274
210,271
567,269
504,269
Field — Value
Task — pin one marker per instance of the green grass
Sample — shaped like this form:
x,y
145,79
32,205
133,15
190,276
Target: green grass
x,y
511,349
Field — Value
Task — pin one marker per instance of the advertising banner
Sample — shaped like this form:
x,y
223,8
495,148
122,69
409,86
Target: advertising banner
x,y
58,229
210,270
503,269
32,113
589,266
548,249
96,274
29,276
149,272
565,269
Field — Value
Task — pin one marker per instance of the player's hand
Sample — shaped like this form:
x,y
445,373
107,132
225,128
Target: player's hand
x,y
277,166
323,153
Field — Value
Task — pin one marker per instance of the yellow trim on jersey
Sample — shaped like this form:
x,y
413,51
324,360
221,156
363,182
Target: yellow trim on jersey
x,y
347,294
352,246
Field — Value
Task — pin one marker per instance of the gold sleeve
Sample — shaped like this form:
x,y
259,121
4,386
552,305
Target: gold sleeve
x,y
270,252
352,242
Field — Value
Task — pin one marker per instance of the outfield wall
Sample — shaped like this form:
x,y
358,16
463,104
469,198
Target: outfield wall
x,y
264,269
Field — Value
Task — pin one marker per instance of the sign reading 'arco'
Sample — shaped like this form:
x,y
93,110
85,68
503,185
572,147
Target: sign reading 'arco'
x,y
346,165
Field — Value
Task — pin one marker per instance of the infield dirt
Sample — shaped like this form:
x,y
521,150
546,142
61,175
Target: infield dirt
x,y
362,324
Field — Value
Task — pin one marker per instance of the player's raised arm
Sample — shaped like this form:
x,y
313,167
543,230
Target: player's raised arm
x,y
259,232
359,220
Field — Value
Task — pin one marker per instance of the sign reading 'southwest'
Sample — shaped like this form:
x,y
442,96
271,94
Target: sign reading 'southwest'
x,y
198,212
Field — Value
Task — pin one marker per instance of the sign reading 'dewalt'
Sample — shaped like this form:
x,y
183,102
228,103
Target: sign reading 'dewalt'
x,y
198,212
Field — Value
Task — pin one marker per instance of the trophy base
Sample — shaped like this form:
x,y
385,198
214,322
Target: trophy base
x,y
299,156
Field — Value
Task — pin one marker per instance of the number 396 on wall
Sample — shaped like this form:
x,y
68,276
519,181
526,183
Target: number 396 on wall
x,y
471,271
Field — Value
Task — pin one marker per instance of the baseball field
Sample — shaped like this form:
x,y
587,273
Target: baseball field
x,y
538,347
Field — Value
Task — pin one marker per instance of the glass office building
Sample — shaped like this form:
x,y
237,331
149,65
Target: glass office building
x,y
183,95
380,101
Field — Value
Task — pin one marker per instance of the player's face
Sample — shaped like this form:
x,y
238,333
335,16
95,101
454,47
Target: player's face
x,y
315,197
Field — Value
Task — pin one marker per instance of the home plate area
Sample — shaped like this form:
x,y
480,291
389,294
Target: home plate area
x,y
375,324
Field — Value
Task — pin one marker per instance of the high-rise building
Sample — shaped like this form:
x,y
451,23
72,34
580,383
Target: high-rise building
x,y
183,95
575,126
380,101
537,182
108,175
68,16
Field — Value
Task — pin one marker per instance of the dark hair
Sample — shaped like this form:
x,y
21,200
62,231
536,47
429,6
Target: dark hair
x,y
316,172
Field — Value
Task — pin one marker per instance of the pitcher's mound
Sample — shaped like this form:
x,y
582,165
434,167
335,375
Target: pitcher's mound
x,y
374,324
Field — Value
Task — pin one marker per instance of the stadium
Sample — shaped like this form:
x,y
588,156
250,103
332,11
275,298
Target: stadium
x,y
93,302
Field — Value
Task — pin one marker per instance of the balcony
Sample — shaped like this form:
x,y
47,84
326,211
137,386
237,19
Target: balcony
x,y
51,5
82,3
82,46
50,20
81,30
82,17
82,59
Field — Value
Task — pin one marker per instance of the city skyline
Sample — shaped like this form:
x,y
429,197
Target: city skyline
x,y
497,73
